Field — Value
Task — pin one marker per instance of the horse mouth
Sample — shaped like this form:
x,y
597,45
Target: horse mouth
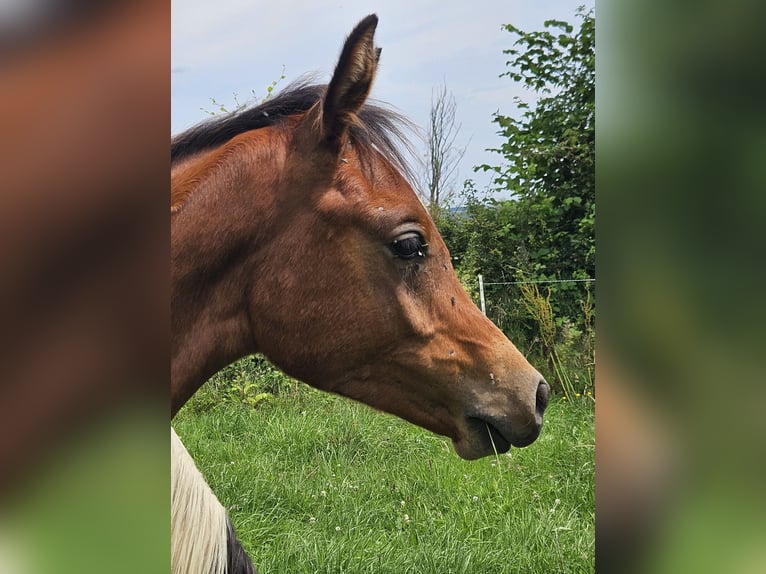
x,y
485,438
496,439
482,439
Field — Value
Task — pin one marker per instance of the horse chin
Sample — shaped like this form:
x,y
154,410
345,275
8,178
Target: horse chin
x,y
481,438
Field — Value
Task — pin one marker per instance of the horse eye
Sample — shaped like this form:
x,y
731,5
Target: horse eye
x,y
408,245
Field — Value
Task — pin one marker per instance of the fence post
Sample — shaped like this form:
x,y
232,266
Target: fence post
x,y
481,294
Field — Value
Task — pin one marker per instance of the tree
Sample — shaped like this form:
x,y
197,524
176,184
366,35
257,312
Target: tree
x,y
549,156
442,155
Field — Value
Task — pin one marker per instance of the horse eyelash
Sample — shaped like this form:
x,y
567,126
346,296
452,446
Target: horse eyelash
x,y
420,253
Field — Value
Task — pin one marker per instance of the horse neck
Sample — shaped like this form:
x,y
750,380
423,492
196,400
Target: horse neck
x,y
213,244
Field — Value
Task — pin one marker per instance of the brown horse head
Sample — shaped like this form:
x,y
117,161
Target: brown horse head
x,y
295,234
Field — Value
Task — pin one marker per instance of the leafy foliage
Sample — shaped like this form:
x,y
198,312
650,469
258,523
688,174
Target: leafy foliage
x,y
549,151
250,381
221,108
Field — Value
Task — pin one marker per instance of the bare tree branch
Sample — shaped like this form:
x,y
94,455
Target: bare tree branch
x,y
442,156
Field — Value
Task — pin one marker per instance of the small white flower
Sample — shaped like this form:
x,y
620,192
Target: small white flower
x,y
312,520
337,529
323,493
401,502
407,518
475,499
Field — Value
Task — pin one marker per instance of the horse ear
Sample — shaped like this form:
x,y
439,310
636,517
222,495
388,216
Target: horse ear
x,y
351,80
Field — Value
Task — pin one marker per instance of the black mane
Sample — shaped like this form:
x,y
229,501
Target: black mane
x,y
381,129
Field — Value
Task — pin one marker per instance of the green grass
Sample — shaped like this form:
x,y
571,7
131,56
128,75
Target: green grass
x,y
316,483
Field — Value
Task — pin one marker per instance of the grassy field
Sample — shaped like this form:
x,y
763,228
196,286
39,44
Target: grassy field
x,y
316,483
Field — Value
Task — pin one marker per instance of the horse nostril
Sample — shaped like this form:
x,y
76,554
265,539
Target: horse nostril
x,y
542,396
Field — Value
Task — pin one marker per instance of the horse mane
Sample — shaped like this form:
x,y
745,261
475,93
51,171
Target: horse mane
x,y
379,128
202,539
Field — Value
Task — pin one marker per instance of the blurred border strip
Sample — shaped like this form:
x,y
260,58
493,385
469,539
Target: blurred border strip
x,y
681,174
84,250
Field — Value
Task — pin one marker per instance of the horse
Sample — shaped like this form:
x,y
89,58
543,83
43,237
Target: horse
x,y
295,234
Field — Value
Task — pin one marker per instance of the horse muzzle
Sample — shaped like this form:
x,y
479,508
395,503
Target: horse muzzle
x,y
487,430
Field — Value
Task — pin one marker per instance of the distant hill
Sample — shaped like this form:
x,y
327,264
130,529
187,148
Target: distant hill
x,y
458,211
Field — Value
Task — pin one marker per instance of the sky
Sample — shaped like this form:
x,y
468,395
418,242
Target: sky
x,y
230,47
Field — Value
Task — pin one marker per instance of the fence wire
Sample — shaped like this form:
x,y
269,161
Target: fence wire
x,y
542,281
